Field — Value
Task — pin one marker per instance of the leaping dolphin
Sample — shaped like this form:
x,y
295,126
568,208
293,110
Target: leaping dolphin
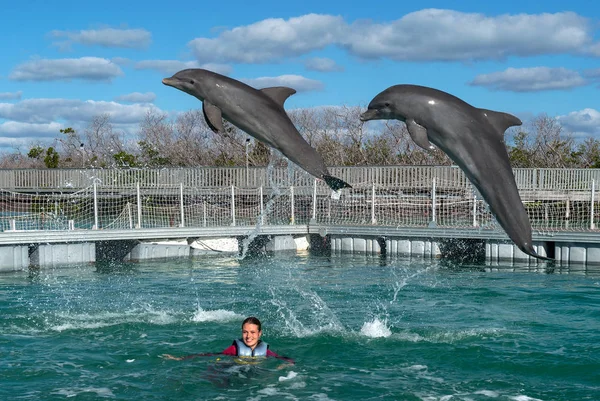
x,y
474,140
259,113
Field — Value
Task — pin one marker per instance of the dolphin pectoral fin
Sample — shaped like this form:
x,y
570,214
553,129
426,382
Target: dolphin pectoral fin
x,y
212,115
418,133
279,94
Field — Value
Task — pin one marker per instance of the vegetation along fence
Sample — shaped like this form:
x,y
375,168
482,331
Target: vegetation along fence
x,y
555,199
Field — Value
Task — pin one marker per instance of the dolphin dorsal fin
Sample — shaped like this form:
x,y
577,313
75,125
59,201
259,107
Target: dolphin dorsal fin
x,y
500,121
212,115
279,94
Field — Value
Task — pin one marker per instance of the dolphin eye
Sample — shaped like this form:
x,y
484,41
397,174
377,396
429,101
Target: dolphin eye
x,y
192,81
387,104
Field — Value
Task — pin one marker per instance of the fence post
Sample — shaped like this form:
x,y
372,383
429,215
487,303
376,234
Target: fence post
x,y
181,205
139,206
293,219
373,204
314,211
129,215
95,207
474,210
204,213
592,225
262,207
233,205
433,204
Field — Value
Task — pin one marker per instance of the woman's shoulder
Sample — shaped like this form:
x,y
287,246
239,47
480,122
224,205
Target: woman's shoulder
x,y
230,350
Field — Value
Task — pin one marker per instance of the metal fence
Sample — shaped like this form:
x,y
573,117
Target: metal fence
x,y
556,200
255,177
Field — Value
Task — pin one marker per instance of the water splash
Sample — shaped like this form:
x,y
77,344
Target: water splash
x,y
401,282
317,317
219,315
375,329
275,194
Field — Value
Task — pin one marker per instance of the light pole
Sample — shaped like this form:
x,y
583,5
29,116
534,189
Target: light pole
x,y
247,175
82,155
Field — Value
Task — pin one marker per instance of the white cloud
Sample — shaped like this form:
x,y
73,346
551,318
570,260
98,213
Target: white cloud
x,y
270,39
530,79
121,61
107,37
17,135
43,111
11,95
170,67
300,83
583,122
40,120
447,35
593,74
137,97
29,131
322,64
425,35
594,49
85,68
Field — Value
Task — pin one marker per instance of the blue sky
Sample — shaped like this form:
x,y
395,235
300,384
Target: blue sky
x,y
64,62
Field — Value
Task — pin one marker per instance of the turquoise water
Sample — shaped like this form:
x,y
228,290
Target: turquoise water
x,y
359,329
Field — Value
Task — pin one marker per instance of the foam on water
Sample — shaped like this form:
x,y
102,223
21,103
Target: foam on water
x,y
291,375
488,393
74,392
375,329
81,321
449,337
422,372
219,315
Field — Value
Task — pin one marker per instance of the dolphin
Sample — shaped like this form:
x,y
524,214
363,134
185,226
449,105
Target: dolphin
x,y
474,140
259,113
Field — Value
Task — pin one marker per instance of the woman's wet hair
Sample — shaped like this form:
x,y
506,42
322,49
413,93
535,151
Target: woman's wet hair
x,y
252,320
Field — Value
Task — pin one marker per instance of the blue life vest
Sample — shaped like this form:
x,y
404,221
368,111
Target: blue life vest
x,y
243,350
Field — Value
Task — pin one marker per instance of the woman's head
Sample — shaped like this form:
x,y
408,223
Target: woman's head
x,y
251,331
252,320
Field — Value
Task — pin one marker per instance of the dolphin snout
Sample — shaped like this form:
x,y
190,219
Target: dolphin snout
x,y
370,114
168,81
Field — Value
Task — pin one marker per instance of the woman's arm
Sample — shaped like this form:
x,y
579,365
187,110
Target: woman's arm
x,y
284,358
183,358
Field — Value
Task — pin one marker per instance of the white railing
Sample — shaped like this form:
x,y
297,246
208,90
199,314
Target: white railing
x,y
255,177
442,200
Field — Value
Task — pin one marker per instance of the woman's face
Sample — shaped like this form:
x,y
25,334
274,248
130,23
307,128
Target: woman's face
x,y
251,334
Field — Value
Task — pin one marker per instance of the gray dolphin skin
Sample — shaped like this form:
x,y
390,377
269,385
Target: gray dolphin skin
x,y
259,113
473,138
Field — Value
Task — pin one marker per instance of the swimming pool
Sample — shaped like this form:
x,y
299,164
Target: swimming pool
x,y
359,328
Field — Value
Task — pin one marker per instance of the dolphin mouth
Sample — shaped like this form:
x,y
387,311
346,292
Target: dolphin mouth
x,y
168,81
368,115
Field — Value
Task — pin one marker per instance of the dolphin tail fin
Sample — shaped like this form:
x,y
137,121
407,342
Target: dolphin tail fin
x,y
531,252
335,183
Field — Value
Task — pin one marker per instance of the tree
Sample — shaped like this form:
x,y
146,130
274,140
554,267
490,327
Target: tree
x,y
52,158
151,156
35,152
124,159
520,154
260,154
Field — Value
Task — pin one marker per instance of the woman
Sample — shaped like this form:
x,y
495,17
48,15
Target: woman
x,y
249,345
